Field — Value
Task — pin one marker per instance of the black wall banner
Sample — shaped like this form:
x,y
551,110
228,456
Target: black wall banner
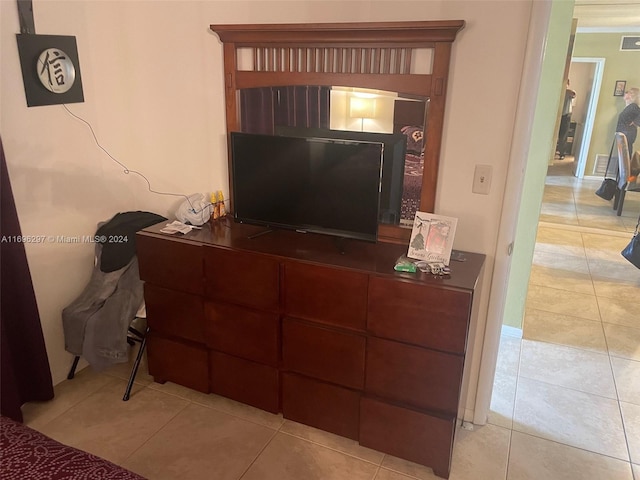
x,y
50,64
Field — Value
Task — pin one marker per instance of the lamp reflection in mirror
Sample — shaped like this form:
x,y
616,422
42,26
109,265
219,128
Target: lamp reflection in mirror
x,y
362,107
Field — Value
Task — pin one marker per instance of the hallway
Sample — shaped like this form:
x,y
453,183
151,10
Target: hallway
x,y
569,389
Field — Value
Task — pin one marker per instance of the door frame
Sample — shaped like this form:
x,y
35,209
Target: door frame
x,y
533,139
591,111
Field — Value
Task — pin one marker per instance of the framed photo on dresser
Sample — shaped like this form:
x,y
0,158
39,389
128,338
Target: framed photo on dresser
x,y
432,237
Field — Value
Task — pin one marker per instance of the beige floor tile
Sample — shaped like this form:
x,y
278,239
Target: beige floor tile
x,y
533,458
335,442
557,188
590,205
200,443
550,216
291,458
566,265
556,364
636,471
564,302
604,246
631,222
631,419
222,404
406,467
584,229
622,341
616,269
384,474
504,384
104,425
123,370
549,239
564,330
627,375
615,288
503,399
620,311
567,416
558,208
67,394
560,279
557,204
480,453
599,221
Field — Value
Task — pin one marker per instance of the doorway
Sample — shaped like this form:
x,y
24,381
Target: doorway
x,y
585,74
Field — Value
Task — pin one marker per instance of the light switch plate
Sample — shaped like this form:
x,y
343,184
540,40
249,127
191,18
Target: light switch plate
x,y
482,179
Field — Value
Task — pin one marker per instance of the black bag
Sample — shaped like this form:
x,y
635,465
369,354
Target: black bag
x,y
608,189
609,186
632,251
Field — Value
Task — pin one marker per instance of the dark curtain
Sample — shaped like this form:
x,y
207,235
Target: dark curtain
x,y
25,374
262,109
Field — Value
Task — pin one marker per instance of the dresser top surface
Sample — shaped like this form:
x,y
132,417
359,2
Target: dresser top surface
x,y
376,258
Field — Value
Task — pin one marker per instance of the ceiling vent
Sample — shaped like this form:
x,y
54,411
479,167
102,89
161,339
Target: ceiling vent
x,y
630,43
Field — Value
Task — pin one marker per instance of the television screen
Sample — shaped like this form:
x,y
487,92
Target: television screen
x,y
395,149
316,185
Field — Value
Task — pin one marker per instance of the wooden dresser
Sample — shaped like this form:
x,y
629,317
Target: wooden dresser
x,y
287,322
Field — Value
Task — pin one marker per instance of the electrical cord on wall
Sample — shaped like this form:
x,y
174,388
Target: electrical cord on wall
x,y
127,171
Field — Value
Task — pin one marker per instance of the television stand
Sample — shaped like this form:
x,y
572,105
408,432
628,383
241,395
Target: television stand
x,y
340,241
259,234
343,343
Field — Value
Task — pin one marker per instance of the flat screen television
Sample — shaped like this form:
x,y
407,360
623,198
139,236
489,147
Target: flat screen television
x,y
318,185
395,150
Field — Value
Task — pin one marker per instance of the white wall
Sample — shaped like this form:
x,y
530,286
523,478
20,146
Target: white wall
x,y
152,75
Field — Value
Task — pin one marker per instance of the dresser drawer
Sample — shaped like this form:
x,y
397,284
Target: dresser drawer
x,y
414,436
174,313
240,331
326,295
413,375
321,405
423,315
171,264
178,362
336,357
242,278
245,381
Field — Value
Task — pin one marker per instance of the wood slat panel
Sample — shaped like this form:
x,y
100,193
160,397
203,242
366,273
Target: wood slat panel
x,y
407,61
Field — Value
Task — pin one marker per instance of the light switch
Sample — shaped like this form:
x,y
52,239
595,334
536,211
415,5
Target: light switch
x,y
482,179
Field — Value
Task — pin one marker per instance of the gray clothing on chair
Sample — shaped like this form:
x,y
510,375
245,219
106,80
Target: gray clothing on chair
x,y
96,323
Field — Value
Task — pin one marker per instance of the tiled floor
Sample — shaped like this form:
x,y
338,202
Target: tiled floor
x,y
566,401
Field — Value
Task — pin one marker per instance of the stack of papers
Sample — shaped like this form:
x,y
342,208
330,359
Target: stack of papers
x,y
177,227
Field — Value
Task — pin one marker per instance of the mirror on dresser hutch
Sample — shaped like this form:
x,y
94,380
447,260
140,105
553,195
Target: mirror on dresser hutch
x,y
403,65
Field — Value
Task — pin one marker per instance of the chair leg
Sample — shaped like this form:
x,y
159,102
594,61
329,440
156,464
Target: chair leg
x,y
134,371
621,201
74,365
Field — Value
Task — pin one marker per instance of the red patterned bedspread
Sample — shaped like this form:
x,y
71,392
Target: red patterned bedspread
x,y
28,454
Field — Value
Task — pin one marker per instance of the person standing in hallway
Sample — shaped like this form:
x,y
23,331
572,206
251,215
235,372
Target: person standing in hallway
x,y
629,118
565,121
